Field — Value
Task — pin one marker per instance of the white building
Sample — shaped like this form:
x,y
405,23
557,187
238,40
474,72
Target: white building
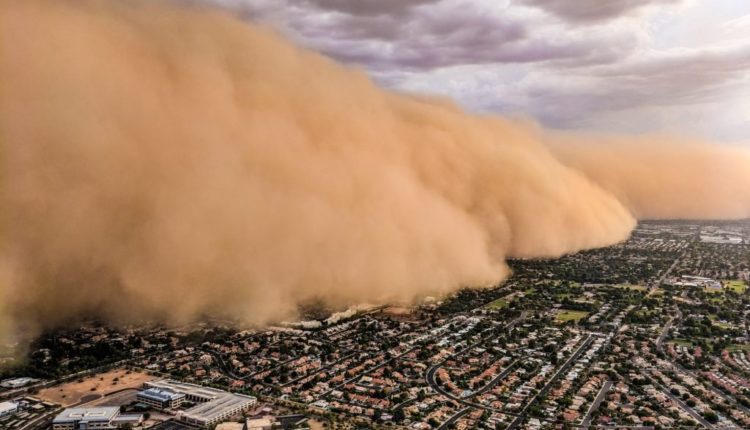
x,y
160,398
8,408
86,418
213,406
96,418
17,382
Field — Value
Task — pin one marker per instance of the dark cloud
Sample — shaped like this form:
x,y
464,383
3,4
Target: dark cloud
x,y
368,7
429,39
677,79
592,10
544,58
425,35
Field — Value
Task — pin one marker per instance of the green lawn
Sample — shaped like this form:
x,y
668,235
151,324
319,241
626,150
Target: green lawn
x,y
632,287
498,304
714,320
682,342
565,315
739,347
738,287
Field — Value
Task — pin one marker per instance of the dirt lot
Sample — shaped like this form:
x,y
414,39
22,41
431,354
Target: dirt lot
x,y
315,425
93,387
115,399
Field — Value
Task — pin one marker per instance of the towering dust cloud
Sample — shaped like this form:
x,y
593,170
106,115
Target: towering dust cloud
x,y
164,163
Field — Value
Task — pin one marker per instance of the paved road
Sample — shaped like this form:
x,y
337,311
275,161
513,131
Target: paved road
x,y
666,273
730,400
522,414
710,386
665,331
595,405
696,416
502,375
454,418
319,369
115,398
367,372
430,377
430,374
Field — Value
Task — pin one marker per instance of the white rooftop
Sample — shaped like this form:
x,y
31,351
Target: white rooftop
x,y
87,414
215,401
7,407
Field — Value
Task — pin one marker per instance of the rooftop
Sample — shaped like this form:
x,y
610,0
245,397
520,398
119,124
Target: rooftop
x,y
161,394
210,410
216,401
7,406
87,414
187,389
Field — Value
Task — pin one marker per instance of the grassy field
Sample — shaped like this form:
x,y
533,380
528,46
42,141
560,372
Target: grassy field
x,y
632,287
565,315
657,292
681,342
498,304
740,347
715,320
738,287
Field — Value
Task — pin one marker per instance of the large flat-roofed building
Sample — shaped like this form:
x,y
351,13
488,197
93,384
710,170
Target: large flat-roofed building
x,y
86,418
213,406
160,398
96,418
193,393
8,408
17,382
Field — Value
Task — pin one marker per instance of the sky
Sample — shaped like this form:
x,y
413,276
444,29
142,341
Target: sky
x,y
668,66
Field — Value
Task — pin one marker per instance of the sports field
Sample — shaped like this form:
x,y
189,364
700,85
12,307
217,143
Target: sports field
x,y
565,315
738,287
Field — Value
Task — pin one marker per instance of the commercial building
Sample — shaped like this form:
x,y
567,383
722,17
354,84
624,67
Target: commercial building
x,y
161,398
96,418
17,382
8,408
86,418
213,406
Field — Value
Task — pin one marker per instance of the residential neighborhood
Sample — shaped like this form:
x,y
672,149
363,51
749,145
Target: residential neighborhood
x,y
649,333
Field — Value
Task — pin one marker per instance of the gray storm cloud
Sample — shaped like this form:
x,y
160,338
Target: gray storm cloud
x,y
166,163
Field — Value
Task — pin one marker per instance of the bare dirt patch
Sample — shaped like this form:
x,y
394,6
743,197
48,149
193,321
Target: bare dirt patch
x,y
93,387
315,425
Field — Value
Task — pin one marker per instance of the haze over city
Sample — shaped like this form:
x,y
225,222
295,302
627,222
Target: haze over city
x,y
227,175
